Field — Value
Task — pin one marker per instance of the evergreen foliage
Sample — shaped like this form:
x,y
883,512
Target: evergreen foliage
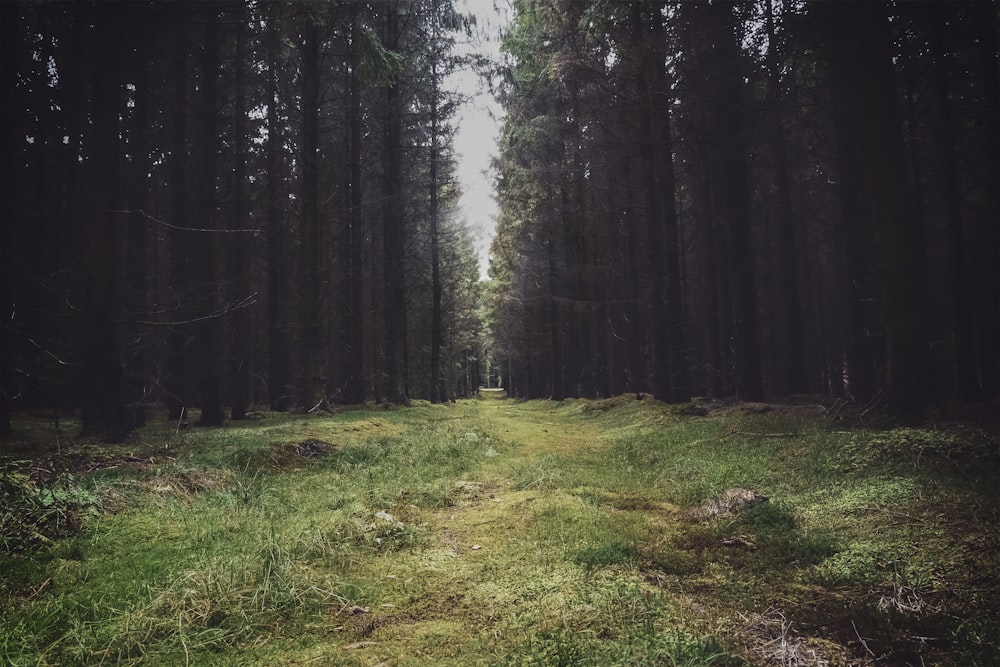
x,y
214,238
736,199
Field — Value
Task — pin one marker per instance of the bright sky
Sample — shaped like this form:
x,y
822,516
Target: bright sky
x,y
478,127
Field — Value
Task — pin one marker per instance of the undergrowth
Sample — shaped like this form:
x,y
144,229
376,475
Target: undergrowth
x,y
505,533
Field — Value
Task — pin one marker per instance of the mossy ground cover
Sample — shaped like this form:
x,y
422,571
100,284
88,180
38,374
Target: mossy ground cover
x,y
497,532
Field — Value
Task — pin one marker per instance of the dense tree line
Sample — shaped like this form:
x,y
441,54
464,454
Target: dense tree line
x,y
760,198
221,205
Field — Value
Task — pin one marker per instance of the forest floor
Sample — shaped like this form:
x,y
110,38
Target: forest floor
x,y
502,532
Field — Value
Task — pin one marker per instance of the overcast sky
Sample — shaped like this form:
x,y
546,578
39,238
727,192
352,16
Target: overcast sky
x,y
478,126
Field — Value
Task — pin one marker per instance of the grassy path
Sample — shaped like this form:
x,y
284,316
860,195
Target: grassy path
x,y
537,427
496,532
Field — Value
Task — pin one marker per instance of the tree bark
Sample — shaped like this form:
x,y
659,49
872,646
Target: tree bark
x,y
393,231
733,185
557,385
177,338
655,255
793,357
103,415
277,367
355,381
10,123
209,330
138,359
239,365
636,372
438,393
678,365
311,353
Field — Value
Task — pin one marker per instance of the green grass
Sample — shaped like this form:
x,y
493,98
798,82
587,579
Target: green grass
x,y
503,533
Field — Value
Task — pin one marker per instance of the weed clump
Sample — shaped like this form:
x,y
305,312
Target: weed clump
x,y
33,515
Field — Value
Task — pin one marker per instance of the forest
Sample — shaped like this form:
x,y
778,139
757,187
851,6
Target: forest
x,y
219,207
755,199
723,393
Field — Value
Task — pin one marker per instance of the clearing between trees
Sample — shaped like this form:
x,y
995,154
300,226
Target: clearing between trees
x,y
499,532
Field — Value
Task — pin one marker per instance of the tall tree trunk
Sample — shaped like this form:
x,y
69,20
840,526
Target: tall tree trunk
x,y
438,393
209,330
915,183
10,138
277,358
102,368
656,254
239,365
136,237
176,381
570,326
716,279
865,348
77,72
393,226
310,351
636,373
355,381
557,385
794,348
678,365
733,185
586,355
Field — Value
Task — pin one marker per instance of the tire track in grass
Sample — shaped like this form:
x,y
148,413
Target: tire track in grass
x,y
473,574
488,576
540,436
